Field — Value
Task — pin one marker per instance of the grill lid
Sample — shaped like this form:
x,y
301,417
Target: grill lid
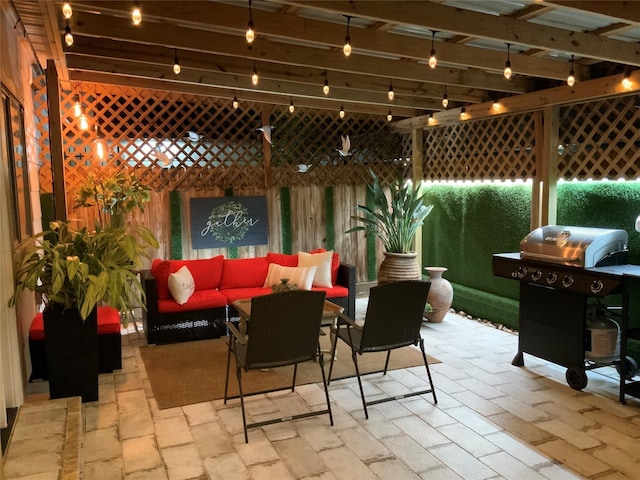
x,y
574,246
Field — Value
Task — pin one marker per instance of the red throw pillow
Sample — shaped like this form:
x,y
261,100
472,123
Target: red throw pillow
x,y
207,273
335,264
244,272
161,271
283,259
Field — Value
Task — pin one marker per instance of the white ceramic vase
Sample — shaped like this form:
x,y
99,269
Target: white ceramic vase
x,y
440,294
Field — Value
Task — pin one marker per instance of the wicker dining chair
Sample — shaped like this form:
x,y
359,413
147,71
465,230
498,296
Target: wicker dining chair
x,y
285,328
393,320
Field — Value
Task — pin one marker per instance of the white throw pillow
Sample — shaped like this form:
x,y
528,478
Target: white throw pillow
x,y
322,260
181,285
302,277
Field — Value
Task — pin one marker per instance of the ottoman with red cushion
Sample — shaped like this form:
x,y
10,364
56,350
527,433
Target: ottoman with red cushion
x,y
109,344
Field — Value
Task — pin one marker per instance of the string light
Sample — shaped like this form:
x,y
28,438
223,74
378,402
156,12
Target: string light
x,y
571,79
626,81
346,49
389,116
250,35
391,94
431,120
463,113
433,61
66,10
507,66
99,146
68,36
136,14
325,87
83,122
235,102
445,98
176,63
341,111
254,75
77,106
496,105
291,106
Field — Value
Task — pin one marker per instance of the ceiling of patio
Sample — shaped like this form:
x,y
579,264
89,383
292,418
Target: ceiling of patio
x,y
299,44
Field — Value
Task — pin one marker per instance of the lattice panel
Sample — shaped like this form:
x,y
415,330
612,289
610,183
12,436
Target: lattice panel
x,y
41,119
500,148
600,140
313,137
174,141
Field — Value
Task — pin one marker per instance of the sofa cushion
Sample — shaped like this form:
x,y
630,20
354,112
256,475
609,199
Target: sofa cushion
x,y
335,264
181,285
333,292
200,300
108,323
234,294
283,259
244,273
206,273
302,277
321,260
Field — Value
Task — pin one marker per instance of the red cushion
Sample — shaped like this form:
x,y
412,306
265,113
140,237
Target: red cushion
x,y
108,322
335,264
200,300
242,293
282,259
333,292
161,269
244,273
206,273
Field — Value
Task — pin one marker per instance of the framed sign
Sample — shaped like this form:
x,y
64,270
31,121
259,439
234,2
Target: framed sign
x,y
220,222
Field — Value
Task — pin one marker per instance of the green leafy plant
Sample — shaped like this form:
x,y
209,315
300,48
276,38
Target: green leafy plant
x,y
114,196
81,268
394,221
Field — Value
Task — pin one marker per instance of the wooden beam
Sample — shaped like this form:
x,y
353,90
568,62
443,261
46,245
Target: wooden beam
x,y
532,11
626,11
55,139
466,22
580,92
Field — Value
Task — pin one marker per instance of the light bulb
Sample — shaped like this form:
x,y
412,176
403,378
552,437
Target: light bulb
x,y
431,120
99,146
571,79
136,14
291,107
626,82
325,87
66,10
254,77
389,116
235,103
445,101
176,67
83,122
496,105
341,111
68,36
433,61
250,35
507,70
77,106
391,94
463,113
346,49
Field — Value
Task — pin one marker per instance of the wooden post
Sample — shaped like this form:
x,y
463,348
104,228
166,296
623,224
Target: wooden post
x,y
266,148
549,173
417,141
55,138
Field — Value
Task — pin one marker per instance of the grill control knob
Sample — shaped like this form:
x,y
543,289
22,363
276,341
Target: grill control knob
x,y
522,271
536,275
567,281
551,278
596,286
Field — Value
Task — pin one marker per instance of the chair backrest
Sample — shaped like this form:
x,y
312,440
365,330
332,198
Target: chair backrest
x,y
394,314
284,328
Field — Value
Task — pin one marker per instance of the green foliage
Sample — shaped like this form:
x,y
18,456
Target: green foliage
x,y
81,268
114,196
394,221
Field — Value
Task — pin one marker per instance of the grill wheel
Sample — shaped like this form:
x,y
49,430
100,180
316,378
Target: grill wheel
x,y
576,378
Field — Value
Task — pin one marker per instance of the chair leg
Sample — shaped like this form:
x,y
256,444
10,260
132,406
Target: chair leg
x,y
326,388
244,418
386,363
364,402
333,353
426,364
293,382
226,382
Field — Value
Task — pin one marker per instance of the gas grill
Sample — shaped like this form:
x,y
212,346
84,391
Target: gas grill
x,y
559,268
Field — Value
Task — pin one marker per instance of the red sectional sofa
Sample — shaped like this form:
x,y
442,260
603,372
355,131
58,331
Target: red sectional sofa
x,y
217,283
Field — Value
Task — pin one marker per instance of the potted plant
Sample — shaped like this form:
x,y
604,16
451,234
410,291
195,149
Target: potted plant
x,y
395,222
73,273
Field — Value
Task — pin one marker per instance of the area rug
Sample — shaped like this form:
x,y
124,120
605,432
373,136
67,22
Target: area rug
x,y
193,372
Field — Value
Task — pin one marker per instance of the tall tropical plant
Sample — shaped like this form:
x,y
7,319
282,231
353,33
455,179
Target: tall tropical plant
x,y
395,220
